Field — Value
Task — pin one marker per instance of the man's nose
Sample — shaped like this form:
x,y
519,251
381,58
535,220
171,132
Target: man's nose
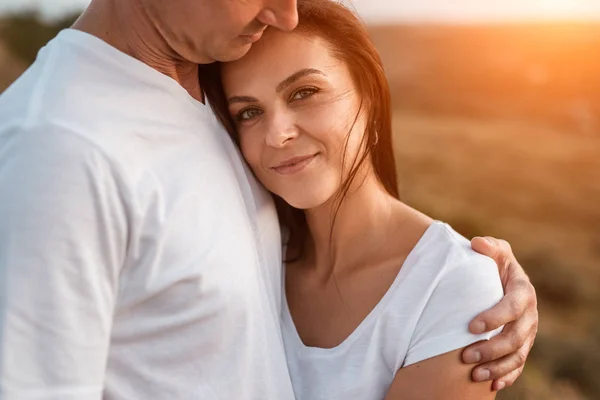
x,y
281,14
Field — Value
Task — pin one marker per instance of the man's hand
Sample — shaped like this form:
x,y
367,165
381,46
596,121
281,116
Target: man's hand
x,y
502,358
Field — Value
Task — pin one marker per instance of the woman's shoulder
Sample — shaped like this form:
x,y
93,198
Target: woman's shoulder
x,y
460,278
434,252
443,249
458,284
463,261
445,273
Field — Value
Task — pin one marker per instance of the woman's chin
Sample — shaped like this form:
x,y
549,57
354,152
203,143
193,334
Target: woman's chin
x,y
304,202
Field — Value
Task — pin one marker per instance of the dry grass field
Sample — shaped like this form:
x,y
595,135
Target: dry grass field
x,y
497,131
10,67
538,188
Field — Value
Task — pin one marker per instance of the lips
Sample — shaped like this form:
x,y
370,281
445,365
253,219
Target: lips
x,y
253,38
294,164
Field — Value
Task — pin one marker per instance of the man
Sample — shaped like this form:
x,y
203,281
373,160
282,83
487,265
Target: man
x,y
138,257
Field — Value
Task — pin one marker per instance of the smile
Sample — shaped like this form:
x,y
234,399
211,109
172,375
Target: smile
x,y
294,165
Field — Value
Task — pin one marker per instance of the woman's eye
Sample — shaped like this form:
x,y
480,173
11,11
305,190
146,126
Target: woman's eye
x,y
248,114
304,93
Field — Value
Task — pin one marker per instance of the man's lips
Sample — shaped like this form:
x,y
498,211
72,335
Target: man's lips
x,y
253,38
294,164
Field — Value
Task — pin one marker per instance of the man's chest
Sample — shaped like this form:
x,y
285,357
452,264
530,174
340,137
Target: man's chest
x,y
204,240
202,281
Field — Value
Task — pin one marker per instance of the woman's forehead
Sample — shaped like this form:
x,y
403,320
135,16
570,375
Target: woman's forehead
x,y
277,55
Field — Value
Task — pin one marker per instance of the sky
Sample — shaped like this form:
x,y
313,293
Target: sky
x,y
400,10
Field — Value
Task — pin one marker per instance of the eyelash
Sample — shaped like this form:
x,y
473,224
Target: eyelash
x,y
239,118
310,89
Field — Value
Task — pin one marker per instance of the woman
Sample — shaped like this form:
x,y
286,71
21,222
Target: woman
x,y
365,317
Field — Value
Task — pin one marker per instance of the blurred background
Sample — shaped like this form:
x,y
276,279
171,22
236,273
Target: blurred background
x,y
497,131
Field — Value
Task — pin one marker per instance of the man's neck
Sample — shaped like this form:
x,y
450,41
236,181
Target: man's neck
x,y
125,26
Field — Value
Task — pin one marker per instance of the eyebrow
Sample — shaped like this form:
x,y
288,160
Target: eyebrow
x,y
241,99
296,76
280,87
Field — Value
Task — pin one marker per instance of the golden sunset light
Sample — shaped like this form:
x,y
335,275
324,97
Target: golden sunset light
x,y
482,114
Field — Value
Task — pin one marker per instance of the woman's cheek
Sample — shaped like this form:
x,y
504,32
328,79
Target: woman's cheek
x,y
320,118
250,151
328,125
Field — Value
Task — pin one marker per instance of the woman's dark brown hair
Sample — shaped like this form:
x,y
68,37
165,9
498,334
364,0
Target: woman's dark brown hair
x,y
350,43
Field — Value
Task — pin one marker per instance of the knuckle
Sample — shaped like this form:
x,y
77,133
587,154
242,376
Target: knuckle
x,y
528,287
491,239
499,370
505,245
523,284
493,321
514,376
532,295
514,307
532,331
487,354
525,287
522,336
520,358
516,340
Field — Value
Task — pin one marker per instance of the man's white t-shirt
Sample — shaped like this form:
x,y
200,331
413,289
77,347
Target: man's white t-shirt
x,y
139,259
441,287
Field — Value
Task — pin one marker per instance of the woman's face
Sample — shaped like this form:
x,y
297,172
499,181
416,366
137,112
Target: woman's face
x,y
295,105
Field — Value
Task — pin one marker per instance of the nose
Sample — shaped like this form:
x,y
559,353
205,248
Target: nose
x,y
281,14
281,131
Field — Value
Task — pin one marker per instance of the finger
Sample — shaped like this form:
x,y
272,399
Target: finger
x,y
523,285
497,249
510,340
501,252
501,368
509,309
507,380
484,245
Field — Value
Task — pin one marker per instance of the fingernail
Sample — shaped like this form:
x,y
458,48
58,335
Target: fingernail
x,y
478,327
490,242
500,386
482,375
472,356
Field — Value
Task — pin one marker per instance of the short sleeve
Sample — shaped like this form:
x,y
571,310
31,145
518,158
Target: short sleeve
x,y
62,243
465,289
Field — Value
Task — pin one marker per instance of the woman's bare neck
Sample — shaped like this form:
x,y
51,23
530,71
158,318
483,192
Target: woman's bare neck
x,y
366,218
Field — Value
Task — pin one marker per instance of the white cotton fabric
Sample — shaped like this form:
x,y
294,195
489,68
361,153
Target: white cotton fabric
x,y
441,287
139,258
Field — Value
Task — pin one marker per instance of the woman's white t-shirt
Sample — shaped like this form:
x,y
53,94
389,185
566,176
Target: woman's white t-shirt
x,y
441,287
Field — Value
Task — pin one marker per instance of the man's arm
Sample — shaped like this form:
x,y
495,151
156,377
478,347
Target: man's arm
x,y
503,357
442,377
62,236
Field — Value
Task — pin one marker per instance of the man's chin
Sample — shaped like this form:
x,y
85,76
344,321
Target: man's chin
x,y
234,54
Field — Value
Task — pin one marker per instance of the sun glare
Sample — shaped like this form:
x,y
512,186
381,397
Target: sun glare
x,y
558,7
